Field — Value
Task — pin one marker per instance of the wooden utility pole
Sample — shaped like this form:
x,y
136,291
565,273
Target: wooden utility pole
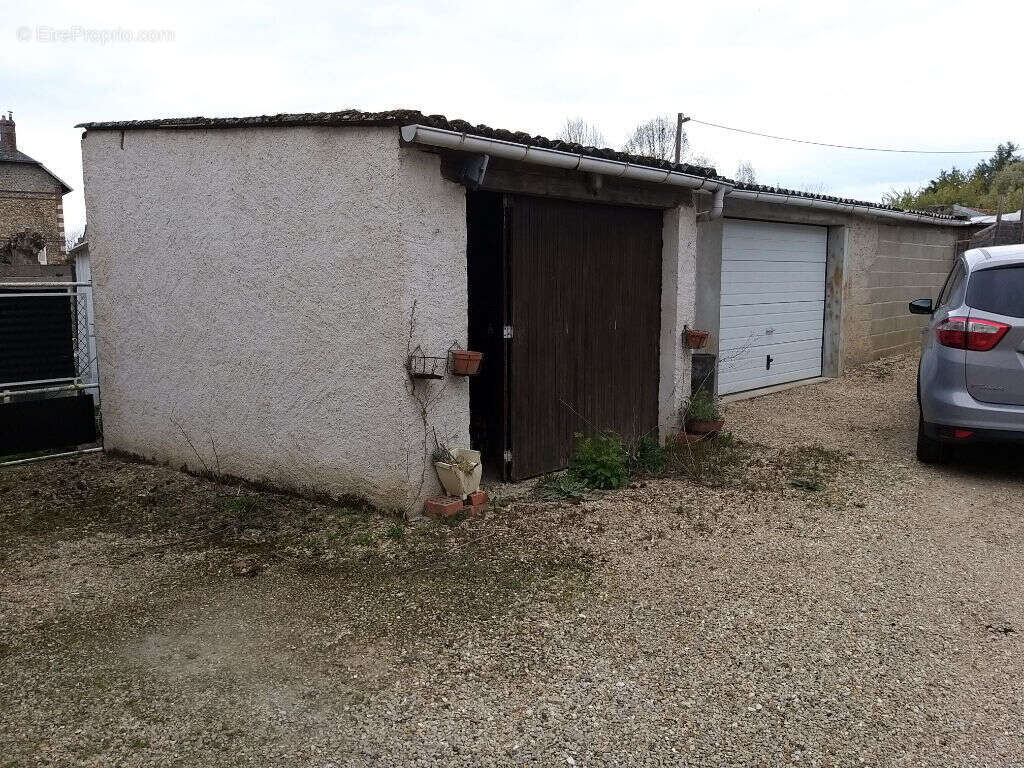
x,y
999,220
680,119
1021,214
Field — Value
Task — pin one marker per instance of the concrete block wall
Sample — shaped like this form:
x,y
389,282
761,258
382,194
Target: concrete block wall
x,y
907,261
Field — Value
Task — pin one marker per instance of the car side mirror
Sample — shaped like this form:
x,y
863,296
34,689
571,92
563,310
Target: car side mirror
x,y
921,307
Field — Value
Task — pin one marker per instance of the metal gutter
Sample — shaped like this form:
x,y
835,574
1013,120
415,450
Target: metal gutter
x,y
781,198
508,150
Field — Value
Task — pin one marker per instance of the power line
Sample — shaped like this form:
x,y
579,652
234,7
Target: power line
x,y
848,146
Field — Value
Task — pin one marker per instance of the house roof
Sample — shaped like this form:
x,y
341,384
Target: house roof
x,y
17,156
398,118
82,246
1013,216
403,117
968,211
842,201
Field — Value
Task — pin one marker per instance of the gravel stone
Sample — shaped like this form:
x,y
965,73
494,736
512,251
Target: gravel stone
x,y
745,621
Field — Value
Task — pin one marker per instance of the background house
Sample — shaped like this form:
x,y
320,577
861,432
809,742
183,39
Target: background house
x,y
261,283
31,202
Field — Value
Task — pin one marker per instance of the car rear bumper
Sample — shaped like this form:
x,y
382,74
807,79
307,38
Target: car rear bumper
x,y
954,407
941,432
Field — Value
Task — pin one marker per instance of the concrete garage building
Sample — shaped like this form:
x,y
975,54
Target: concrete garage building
x,y
795,286
263,287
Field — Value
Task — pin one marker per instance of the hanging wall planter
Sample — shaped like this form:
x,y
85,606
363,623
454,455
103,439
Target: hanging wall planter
x,y
694,339
421,366
464,362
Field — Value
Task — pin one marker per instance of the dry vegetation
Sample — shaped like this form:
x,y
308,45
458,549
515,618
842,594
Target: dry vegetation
x,y
800,593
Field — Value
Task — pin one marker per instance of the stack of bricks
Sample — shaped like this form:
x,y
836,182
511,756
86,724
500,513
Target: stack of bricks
x,y
443,507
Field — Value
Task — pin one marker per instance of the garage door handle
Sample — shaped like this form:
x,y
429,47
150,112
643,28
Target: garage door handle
x,y
768,362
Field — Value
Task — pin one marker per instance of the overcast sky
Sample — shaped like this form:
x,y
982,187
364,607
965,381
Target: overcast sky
x,y
920,75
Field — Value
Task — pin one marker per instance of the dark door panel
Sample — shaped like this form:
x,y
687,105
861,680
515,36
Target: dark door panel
x,y
40,425
586,314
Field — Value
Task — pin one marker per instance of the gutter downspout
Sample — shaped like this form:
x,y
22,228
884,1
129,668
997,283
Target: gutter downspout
x,y
717,205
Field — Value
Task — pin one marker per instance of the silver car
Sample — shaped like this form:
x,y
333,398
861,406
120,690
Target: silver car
x,y
970,384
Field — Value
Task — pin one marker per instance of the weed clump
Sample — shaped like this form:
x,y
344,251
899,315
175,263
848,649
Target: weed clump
x,y
646,457
713,461
811,467
561,486
605,462
601,461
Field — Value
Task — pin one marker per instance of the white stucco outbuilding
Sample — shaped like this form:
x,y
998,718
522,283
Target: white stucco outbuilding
x,y
261,283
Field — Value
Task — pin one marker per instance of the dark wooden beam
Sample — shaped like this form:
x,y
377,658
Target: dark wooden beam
x,y
540,181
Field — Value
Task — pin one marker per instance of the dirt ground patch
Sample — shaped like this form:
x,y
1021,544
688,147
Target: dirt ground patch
x,y
821,600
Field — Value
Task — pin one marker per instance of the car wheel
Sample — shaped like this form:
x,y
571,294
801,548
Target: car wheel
x,y
929,450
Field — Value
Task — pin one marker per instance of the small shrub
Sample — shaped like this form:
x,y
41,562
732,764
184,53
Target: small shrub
x,y
646,457
601,461
702,406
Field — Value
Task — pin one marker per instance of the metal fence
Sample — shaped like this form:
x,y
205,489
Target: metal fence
x,y
49,372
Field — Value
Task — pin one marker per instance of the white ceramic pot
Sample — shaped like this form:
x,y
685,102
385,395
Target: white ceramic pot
x,y
456,480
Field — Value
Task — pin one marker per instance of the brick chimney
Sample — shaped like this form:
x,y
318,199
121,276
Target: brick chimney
x,y
8,138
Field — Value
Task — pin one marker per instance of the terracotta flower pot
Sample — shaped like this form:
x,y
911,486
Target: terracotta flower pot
x,y
696,339
704,427
466,362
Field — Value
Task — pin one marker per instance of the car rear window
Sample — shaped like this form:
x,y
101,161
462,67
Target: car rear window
x,y
999,290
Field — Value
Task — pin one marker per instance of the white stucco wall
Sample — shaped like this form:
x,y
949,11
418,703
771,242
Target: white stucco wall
x,y
253,289
678,307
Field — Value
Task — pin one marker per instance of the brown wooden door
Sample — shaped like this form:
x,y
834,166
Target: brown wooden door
x,y
585,316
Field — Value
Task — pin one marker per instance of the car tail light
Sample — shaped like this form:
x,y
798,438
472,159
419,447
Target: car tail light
x,y
975,335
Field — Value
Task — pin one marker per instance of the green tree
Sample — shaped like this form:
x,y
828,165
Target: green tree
x,y
955,186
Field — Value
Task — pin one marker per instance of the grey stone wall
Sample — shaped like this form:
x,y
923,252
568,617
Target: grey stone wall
x,y
31,200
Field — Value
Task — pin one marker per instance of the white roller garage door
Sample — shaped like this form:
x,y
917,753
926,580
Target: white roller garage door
x,y
773,304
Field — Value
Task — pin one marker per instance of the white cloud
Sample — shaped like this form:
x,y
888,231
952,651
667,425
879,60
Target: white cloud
x,y
876,73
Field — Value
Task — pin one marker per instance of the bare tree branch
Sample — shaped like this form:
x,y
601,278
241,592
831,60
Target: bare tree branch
x,y
745,172
655,138
579,131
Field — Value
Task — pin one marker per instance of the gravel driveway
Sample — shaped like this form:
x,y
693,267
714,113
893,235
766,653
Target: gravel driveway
x,y
827,602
